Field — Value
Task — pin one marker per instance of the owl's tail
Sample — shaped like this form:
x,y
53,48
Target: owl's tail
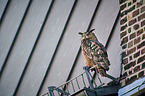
x,y
101,71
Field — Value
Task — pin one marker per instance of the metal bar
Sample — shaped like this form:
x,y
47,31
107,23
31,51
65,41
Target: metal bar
x,y
58,92
77,83
66,83
107,75
121,66
53,93
67,88
70,80
93,79
98,76
73,86
62,91
50,91
91,86
46,94
83,80
111,77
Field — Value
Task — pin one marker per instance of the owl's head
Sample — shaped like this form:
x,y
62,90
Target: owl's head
x,y
88,35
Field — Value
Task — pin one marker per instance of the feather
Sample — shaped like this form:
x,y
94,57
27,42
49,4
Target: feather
x,y
94,53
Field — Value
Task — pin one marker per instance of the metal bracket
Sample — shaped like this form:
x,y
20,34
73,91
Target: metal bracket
x,y
115,80
89,80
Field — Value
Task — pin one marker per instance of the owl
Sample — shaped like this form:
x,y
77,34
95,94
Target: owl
x,y
94,52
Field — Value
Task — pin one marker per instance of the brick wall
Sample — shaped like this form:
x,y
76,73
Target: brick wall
x,y
132,39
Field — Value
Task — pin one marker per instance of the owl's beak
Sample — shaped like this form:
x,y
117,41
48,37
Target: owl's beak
x,y
81,33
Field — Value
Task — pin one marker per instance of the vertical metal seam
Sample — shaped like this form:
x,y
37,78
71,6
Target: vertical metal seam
x,y
33,49
112,30
15,37
54,54
79,51
4,12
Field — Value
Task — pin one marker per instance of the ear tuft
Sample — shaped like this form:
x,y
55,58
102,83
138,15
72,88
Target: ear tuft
x,y
81,33
91,30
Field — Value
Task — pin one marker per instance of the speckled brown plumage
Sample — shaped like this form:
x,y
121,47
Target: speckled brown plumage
x,y
94,52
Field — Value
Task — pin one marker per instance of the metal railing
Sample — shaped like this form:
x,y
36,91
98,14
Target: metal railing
x,y
65,86
68,87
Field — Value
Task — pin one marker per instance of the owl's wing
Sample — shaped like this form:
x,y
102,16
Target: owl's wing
x,y
96,52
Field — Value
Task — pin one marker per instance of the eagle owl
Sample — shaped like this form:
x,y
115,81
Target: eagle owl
x,y
94,52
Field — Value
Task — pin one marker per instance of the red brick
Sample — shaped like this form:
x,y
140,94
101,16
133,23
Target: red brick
x,y
143,51
137,68
136,40
141,59
139,32
131,64
132,79
130,57
127,11
122,7
124,54
136,26
143,36
122,1
142,23
143,65
137,54
141,17
124,46
125,61
125,74
143,9
129,17
129,30
131,51
131,22
125,40
123,13
141,74
141,45
130,72
123,34
129,3
134,1
126,81
130,44
135,13
123,27
131,9
124,20
132,36
139,4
